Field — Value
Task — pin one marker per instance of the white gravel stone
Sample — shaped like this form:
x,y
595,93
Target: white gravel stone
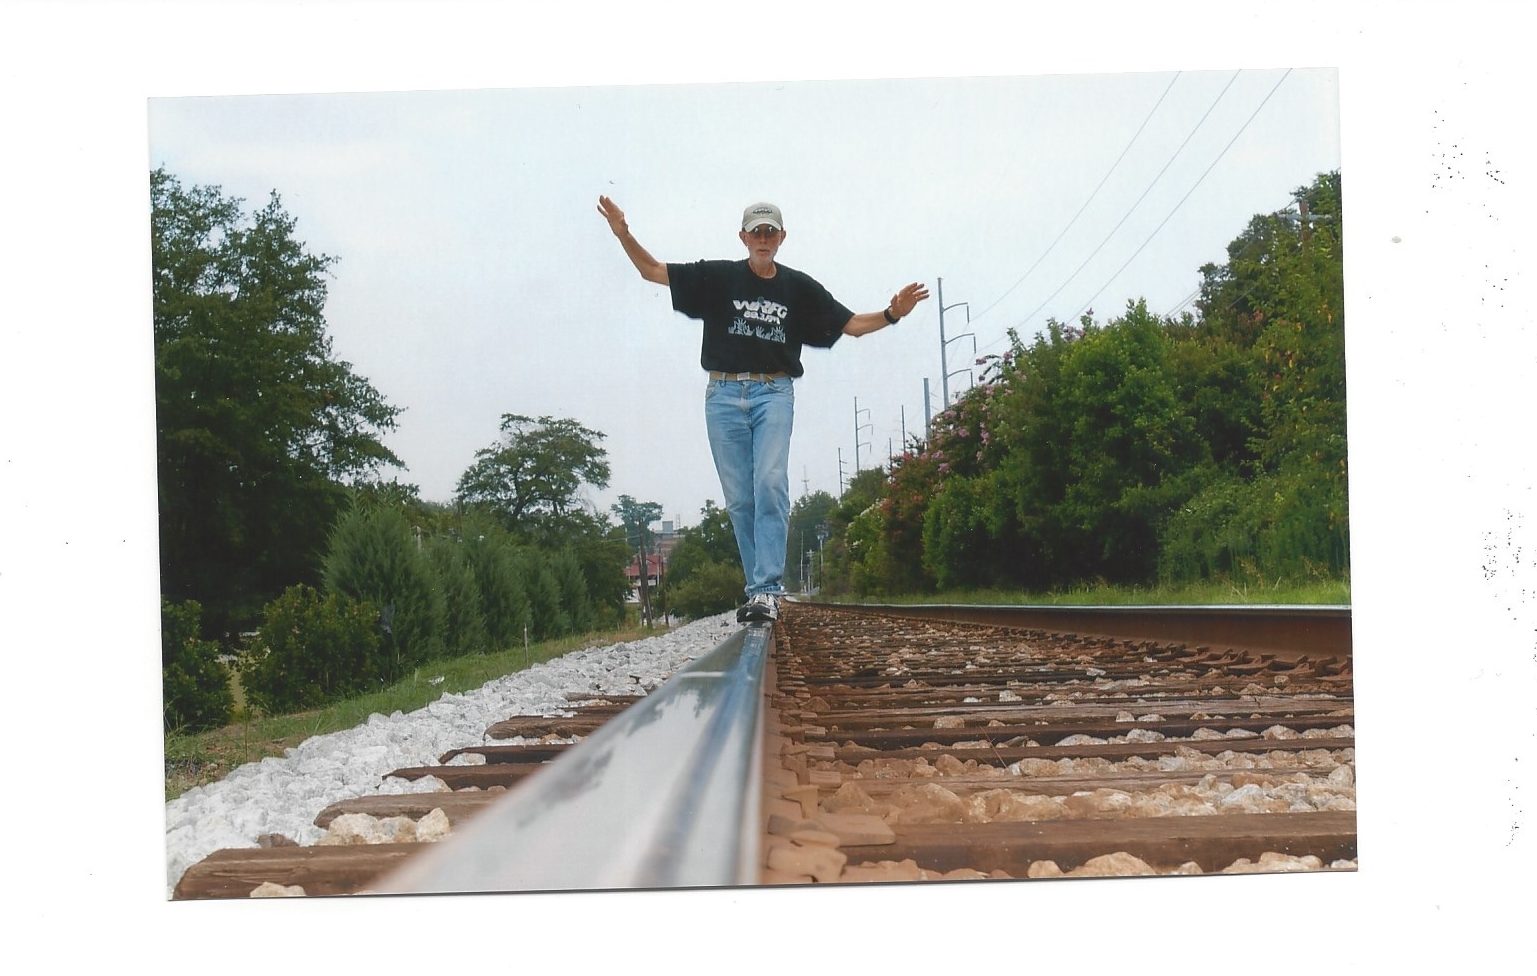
x,y
283,795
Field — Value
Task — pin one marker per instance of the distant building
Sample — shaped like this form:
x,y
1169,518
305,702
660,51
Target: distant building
x,y
655,564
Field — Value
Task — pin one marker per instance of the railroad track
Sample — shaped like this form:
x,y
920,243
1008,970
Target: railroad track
x,y
894,745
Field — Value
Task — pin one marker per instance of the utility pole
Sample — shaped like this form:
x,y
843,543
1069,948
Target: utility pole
x,y
645,590
944,381
857,428
840,472
928,413
944,343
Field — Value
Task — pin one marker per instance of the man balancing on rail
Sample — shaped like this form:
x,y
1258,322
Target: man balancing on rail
x,y
757,314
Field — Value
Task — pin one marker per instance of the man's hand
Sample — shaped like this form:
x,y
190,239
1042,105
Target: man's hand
x,y
903,302
649,267
611,213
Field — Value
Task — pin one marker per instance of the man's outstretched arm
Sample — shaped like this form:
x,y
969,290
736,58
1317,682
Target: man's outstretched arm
x,y
649,267
901,305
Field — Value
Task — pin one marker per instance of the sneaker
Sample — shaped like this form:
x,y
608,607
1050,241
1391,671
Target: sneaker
x,y
763,607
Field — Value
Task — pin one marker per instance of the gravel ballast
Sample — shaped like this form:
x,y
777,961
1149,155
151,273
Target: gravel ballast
x,y
284,795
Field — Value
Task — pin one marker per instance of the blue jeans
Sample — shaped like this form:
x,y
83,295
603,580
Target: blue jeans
x,y
749,424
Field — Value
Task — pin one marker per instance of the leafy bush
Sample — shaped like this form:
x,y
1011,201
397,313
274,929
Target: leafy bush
x,y
1302,524
312,650
193,683
1288,526
968,529
713,587
373,558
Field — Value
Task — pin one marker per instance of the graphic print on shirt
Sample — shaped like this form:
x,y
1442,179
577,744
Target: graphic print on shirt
x,y
763,319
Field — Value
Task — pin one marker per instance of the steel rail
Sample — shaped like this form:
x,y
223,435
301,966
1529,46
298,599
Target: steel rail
x,y
666,794
1277,629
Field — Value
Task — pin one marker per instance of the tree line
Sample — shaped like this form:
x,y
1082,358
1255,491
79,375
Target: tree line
x,y
282,545
1210,445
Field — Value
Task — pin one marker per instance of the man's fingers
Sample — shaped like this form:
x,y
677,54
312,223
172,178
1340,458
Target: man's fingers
x,y
910,295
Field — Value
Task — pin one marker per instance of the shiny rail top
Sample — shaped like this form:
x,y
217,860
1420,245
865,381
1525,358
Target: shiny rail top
x,y
665,794
1278,629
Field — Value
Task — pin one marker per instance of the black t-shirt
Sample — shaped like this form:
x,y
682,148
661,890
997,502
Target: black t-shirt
x,y
753,324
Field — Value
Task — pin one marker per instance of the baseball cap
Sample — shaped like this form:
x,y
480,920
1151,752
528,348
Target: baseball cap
x,y
762,213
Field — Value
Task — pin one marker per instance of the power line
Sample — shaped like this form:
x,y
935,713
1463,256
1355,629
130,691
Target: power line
x,y
1248,249
1187,300
1050,247
1198,182
1133,207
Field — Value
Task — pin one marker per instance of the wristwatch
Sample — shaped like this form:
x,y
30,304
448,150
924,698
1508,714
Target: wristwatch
x,y
890,318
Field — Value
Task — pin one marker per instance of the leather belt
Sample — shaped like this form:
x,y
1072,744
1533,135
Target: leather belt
x,y
716,374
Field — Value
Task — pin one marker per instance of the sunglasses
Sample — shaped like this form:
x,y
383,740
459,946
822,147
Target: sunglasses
x,y
764,230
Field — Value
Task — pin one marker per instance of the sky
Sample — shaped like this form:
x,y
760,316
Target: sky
x,y
475,278
1441,347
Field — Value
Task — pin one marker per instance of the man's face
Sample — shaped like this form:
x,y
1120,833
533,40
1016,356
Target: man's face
x,y
762,241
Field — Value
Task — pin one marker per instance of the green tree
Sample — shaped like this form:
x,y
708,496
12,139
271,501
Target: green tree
x,y
1280,298
636,518
547,615
373,558
808,518
258,425
846,557
710,541
533,472
708,547
600,548
504,598
464,619
1129,435
574,597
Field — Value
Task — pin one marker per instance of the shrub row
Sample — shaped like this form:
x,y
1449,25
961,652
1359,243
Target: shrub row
x,y
392,603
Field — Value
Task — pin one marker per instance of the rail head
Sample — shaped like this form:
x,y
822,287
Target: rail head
x,y
1283,629
666,794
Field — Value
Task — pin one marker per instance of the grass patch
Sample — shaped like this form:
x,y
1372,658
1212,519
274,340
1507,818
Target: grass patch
x,y
1212,593
206,757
